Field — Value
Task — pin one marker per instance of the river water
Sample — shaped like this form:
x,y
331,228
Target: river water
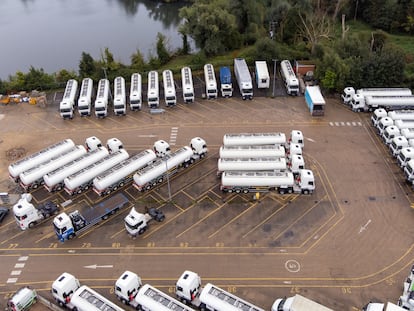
x,y
52,34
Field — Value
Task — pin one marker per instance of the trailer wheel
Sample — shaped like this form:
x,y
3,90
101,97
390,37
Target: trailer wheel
x,y
230,191
281,191
238,190
290,190
160,180
35,186
86,187
121,184
58,188
79,191
245,191
148,187
104,217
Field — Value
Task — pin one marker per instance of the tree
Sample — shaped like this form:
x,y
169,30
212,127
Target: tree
x,y
314,28
210,24
64,75
137,61
87,66
162,52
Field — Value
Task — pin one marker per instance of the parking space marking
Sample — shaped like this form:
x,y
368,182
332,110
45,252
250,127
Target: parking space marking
x,y
353,123
173,135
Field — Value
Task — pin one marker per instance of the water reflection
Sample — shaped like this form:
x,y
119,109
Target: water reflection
x,y
59,31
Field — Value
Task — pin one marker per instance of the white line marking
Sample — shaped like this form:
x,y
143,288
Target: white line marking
x,y
11,280
23,258
19,265
16,272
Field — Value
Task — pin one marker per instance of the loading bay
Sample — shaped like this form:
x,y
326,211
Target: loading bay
x,y
348,243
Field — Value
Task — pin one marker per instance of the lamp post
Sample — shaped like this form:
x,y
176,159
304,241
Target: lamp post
x,y
274,77
168,180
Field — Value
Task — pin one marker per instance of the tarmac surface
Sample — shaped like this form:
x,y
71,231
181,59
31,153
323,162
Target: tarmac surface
x,y
348,243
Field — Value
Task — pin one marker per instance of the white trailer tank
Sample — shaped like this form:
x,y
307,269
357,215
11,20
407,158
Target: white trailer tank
x,y
33,178
187,84
153,89
401,115
119,96
86,299
257,179
402,124
39,157
135,95
54,180
250,139
85,97
111,178
159,167
252,151
169,88
251,164
82,179
289,77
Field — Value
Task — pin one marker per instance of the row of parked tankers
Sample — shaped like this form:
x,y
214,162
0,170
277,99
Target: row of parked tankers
x,y
212,89
396,129
248,162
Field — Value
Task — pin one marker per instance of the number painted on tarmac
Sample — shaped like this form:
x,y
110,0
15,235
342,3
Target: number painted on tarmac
x,y
232,289
116,245
151,244
53,245
86,245
346,290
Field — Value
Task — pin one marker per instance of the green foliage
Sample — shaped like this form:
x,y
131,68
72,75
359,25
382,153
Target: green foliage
x,y
138,61
87,66
162,52
198,60
64,75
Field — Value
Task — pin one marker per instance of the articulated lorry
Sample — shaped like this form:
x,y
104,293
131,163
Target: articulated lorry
x,y
226,86
137,223
262,75
283,182
289,78
210,297
67,105
187,85
79,221
156,172
82,180
16,168
297,303
315,100
391,102
119,96
102,99
27,215
252,139
153,93
249,151
170,96
85,97
349,94
244,79
122,173
54,180
33,177
63,289
210,80
135,94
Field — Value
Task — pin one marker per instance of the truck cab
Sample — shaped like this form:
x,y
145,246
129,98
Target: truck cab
x,y
136,223
305,182
406,154
161,148
63,288
383,124
389,133
376,306
63,227
23,299
293,149
296,137
297,303
188,288
27,215
296,164
127,286
348,95
92,143
377,115
226,86
397,143
199,147
114,144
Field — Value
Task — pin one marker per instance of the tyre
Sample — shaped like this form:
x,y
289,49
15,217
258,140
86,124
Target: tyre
x,y
238,191
245,191
306,191
71,236
141,231
282,191
32,224
35,186
79,191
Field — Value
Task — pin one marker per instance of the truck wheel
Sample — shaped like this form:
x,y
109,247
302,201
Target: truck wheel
x,y
32,224
71,236
124,301
282,191
47,215
141,231
61,304
105,217
306,191
290,190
